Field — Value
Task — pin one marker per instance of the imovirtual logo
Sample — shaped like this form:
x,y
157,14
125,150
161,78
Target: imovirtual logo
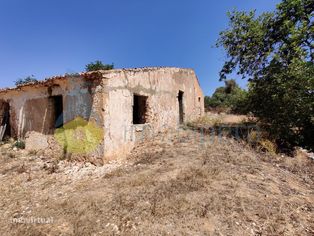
x,y
79,136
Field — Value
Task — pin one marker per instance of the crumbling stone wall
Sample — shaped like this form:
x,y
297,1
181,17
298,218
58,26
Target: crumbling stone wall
x,y
34,111
32,108
108,100
161,86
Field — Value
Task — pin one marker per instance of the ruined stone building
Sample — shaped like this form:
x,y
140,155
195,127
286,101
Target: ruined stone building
x,y
123,103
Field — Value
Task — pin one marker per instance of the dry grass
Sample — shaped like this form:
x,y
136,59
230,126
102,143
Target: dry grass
x,y
237,126
206,121
213,119
171,186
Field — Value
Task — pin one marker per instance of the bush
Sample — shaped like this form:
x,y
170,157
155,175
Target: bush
x,y
284,103
228,98
27,80
98,65
274,51
19,144
260,141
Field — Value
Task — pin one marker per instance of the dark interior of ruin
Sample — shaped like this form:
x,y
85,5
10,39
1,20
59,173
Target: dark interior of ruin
x,y
181,112
139,109
58,111
5,129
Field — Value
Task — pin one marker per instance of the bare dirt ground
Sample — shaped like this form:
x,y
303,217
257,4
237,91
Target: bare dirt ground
x,y
174,184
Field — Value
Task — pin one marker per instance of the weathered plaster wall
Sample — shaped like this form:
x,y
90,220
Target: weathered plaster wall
x,y
31,108
109,102
161,86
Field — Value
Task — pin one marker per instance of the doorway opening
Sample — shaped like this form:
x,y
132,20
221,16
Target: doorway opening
x,y
181,110
58,111
139,109
5,128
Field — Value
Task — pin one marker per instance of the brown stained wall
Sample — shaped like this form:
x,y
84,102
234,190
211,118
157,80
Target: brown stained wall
x,y
27,109
39,116
31,108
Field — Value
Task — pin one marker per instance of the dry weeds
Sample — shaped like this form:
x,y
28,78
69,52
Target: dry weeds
x,y
174,184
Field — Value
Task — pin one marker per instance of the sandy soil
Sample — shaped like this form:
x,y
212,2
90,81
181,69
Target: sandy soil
x,y
175,184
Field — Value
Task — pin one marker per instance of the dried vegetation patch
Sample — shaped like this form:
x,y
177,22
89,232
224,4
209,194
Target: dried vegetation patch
x,y
178,183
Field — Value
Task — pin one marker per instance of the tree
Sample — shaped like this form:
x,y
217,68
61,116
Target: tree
x,y
27,80
228,98
230,85
98,65
274,51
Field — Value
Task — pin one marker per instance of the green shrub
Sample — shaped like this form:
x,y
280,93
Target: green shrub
x,y
27,80
274,51
19,144
228,98
98,65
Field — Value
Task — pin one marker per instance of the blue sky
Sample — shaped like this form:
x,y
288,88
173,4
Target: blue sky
x,y
52,37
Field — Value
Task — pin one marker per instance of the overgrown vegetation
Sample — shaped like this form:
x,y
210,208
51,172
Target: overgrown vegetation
x,y
98,65
26,80
274,51
228,98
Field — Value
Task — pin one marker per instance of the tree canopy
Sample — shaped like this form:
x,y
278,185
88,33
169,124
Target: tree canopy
x,y
98,65
274,51
228,98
